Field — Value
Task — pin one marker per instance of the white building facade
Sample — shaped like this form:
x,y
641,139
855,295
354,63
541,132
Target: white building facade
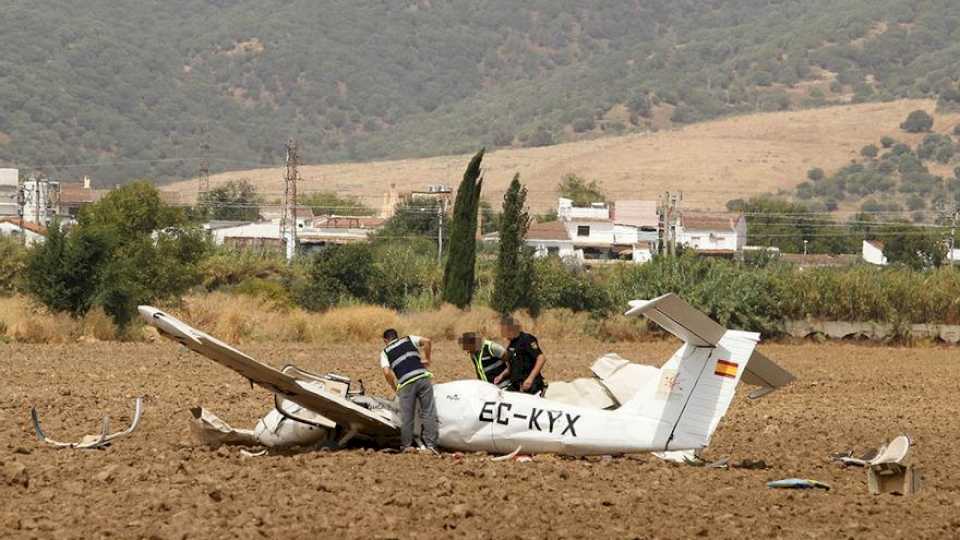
x,y
873,253
713,234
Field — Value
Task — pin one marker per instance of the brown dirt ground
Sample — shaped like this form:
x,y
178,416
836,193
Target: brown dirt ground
x,y
160,483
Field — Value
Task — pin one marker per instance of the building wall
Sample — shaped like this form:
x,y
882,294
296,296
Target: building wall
x,y
560,248
11,229
710,240
873,255
600,232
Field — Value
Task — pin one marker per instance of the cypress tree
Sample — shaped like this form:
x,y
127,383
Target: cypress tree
x,y
513,282
459,272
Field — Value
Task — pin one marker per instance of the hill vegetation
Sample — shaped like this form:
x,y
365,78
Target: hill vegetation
x,y
146,90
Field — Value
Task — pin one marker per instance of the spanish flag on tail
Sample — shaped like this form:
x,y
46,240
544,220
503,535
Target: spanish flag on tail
x,y
726,368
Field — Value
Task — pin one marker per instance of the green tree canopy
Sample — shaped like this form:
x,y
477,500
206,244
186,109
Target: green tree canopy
x,y
580,191
127,249
917,122
514,276
459,272
236,200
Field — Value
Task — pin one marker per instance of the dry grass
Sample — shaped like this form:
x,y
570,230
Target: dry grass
x,y
25,322
244,319
711,162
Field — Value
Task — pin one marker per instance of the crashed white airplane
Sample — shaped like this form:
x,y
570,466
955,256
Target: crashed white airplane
x,y
625,408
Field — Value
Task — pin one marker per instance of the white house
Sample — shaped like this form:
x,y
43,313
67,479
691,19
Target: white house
x,y
873,252
551,238
9,186
318,232
30,232
621,230
339,230
713,234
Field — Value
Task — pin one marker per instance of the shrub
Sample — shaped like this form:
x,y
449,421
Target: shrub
x,y
816,174
869,151
13,257
888,142
917,122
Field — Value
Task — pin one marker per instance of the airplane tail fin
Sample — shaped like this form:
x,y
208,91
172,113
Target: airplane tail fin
x,y
696,386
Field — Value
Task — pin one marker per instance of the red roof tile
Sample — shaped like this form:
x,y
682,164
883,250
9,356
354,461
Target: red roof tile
x,y
551,230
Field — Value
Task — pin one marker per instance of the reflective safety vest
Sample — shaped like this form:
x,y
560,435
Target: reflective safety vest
x,y
405,362
487,365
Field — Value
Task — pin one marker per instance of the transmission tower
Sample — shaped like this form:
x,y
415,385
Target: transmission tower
x,y
288,220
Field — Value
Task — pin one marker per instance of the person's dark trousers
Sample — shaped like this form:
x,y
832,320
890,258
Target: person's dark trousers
x,y
414,393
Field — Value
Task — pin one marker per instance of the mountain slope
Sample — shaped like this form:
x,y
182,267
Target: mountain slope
x,y
711,162
149,83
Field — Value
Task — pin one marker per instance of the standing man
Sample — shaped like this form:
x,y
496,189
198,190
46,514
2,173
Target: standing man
x,y
487,359
524,357
405,362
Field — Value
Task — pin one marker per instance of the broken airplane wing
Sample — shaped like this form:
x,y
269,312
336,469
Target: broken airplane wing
x,y
352,417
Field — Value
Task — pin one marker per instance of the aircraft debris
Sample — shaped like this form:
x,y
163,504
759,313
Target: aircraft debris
x,y
895,451
887,471
675,407
249,454
798,483
507,457
89,442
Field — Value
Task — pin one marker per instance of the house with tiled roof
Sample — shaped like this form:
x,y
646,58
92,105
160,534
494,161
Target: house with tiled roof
x,y
713,234
30,233
622,230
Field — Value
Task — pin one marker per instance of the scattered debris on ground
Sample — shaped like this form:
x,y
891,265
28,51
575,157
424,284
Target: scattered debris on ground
x,y
798,483
90,442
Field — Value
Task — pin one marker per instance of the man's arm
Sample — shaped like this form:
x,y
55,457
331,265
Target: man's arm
x,y
541,360
391,380
505,356
426,347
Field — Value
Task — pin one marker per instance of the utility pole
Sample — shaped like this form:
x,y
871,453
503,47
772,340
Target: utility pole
x,y
288,220
669,214
36,200
21,204
953,233
441,209
203,176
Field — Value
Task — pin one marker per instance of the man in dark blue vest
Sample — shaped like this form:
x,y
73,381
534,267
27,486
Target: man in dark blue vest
x,y
405,362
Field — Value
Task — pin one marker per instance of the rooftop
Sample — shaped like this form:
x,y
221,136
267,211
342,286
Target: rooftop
x,y
551,230
708,222
32,227
636,213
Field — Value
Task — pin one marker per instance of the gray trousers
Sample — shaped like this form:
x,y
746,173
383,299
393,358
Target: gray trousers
x,y
418,393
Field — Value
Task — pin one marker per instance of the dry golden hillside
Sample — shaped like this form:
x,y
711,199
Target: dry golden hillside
x,y
710,163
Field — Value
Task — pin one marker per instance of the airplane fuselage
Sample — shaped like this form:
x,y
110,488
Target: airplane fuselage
x,y
478,416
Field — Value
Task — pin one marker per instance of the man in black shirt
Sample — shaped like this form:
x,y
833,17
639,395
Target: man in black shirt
x,y
525,359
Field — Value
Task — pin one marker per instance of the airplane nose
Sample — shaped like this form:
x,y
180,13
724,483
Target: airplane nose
x,y
146,312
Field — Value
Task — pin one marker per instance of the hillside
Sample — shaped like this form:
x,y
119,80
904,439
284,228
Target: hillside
x,y
711,162
146,90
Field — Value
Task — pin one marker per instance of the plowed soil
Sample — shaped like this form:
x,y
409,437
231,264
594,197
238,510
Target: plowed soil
x,y
160,483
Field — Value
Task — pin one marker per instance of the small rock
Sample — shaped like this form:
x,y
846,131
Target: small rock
x,y
16,474
216,495
107,474
23,451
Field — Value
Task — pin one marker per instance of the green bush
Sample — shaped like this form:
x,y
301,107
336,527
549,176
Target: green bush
x,y
559,285
13,258
127,249
917,122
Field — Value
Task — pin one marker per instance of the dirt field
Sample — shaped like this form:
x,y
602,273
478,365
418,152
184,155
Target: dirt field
x,y
711,162
160,484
